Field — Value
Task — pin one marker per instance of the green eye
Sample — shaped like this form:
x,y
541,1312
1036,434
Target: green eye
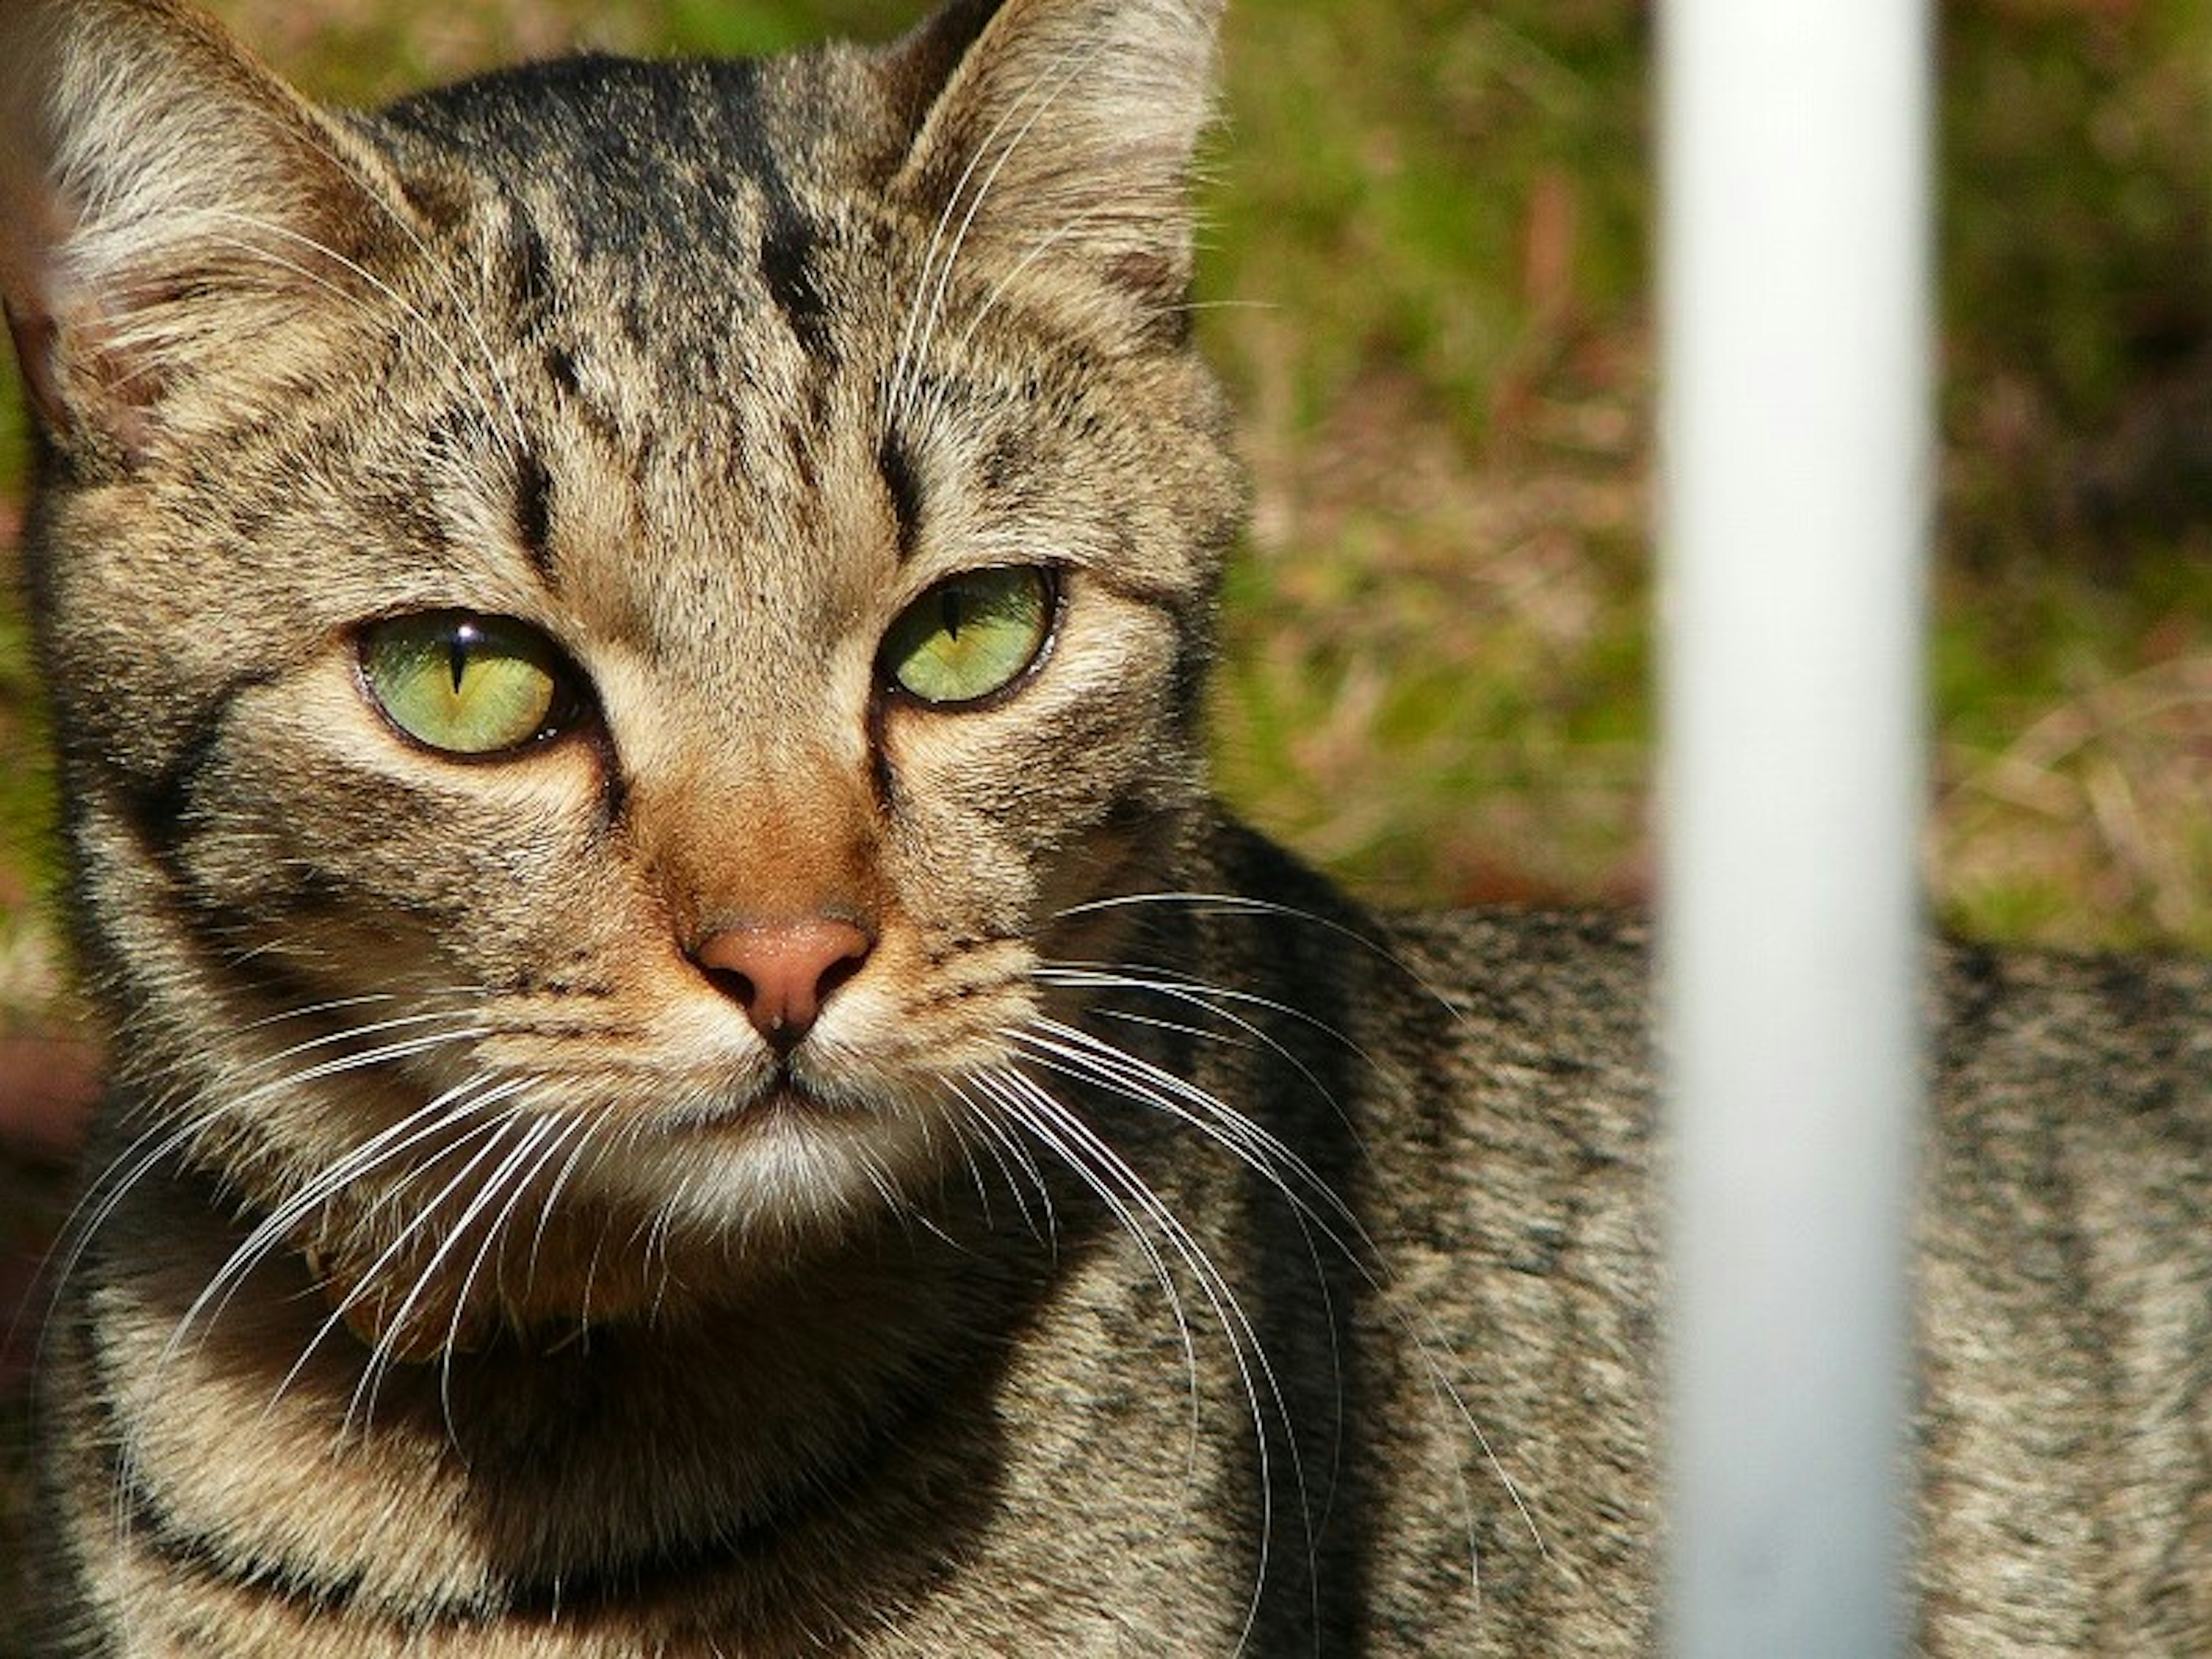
x,y
970,636
465,685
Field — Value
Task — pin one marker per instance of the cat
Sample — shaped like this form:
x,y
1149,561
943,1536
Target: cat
x,y
695,1070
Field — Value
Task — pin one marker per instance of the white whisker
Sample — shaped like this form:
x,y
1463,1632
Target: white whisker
x,y
392,1324
163,1140
427,1121
495,1128
526,1163
1017,1098
1086,1057
1254,1369
1006,1150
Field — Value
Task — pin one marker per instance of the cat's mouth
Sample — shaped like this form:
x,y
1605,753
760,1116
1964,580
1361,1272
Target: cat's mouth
x,y
783,1099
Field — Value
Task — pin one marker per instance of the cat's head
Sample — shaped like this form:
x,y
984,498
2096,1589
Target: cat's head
x,y
603,622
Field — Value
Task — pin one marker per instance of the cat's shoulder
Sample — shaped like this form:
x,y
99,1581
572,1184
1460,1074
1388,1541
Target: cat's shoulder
x,y
2078,1044
1499,989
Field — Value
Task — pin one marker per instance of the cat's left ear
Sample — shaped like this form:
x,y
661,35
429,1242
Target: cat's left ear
x,y
1061,133
175,223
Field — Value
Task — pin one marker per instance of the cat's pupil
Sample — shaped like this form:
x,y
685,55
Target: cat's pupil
x,y
952,612
456,654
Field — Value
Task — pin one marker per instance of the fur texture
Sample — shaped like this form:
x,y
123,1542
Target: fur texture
x,y
1132,1246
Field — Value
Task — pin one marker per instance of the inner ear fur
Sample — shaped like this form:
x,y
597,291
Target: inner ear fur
x,y
174,220
1061,133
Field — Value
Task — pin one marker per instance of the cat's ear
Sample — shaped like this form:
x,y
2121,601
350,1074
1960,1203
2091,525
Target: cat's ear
x,y
173,220
1062,132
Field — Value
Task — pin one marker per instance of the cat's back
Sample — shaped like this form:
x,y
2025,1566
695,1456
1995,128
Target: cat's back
x,y
1532,1159
2064,1286
2064,1275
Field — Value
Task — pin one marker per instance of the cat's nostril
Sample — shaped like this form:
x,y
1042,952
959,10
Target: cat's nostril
x,y
782,972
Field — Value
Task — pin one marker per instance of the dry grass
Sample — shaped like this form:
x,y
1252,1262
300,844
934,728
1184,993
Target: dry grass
x,y
2089,827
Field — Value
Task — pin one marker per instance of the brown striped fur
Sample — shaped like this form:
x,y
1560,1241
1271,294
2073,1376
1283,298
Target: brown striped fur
x,y
1146,1251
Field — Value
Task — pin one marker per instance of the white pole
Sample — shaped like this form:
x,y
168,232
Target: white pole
x,y
1796,443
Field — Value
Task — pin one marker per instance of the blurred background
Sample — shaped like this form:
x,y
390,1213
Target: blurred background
x,y
1426,279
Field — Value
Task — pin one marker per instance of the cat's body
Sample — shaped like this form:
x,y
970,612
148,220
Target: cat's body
x,y
695,1072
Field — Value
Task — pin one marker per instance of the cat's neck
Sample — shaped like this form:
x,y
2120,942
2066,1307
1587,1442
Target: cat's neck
x,y
794,1386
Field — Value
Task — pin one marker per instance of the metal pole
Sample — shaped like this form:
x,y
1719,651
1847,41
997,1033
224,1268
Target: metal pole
x,y
1796,445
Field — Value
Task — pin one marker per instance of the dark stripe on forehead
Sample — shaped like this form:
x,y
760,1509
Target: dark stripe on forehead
x,y
654,169
533,268
560,369
789,239
533,514
902,483
786,259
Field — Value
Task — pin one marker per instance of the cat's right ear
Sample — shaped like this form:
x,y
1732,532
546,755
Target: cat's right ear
x,y
1062,132
172,221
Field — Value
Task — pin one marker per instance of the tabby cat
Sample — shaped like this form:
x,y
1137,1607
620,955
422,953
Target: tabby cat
x,y
694,1070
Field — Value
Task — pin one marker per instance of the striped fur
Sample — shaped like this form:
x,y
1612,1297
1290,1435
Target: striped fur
x,y
1146,1250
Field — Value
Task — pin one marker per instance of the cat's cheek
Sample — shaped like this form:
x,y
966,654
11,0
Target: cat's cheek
x,y
919,1026
441,868
1017,828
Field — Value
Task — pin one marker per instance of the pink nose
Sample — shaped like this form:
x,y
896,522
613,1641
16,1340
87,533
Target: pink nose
x,y
782,972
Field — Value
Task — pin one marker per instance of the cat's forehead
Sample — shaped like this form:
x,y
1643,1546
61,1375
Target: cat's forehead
x,y
671,346
709,368
740,385
612,127
663,180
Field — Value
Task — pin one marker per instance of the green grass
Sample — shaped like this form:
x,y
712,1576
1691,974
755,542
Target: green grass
x,y
1425,279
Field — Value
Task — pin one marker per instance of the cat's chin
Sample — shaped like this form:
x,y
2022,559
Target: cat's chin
x,y
782,1105
790,1167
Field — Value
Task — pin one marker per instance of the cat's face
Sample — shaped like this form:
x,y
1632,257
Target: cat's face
x,y
604,624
